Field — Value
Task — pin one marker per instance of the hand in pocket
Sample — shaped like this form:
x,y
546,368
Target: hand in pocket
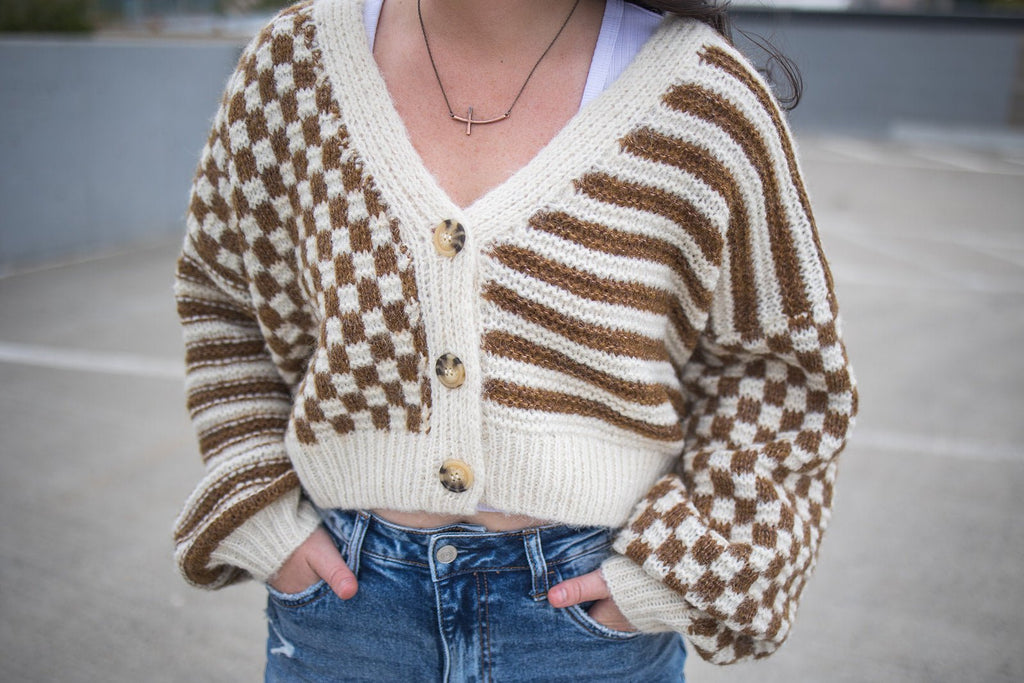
x,y
588,587
317,558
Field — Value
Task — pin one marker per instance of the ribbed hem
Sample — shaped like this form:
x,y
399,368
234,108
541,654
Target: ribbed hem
x,y
263,543
648,604
565,477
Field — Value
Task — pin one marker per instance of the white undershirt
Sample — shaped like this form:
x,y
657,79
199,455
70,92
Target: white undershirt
x,y
625,28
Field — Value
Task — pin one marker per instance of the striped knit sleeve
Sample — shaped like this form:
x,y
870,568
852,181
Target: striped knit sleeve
x,y
246,516
721,548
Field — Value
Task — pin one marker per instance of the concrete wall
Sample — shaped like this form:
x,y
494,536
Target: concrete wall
x,y
865,74
99,138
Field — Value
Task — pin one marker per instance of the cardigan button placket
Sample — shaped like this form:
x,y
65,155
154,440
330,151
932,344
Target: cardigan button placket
x,y
450,256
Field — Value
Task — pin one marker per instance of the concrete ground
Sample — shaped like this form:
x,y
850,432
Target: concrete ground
x,y
920,575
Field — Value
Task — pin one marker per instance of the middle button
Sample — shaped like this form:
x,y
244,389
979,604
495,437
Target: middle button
x,y
450,370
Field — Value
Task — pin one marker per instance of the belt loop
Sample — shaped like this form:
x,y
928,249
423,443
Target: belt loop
x,y
538,565
355,541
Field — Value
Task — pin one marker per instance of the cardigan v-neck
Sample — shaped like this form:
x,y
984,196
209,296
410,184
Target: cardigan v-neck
x,y
408,185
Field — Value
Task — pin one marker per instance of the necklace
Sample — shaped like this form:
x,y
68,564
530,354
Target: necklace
x,y
468,118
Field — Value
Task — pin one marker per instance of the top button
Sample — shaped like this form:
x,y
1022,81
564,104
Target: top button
x,y
449,238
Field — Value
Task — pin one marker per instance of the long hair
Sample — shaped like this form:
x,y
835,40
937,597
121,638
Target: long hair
x,y
716,15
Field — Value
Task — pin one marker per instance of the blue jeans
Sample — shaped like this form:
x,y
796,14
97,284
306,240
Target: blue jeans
x,y
457,603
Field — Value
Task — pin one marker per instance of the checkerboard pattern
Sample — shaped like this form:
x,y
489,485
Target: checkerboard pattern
x,y
297,298
301,191
736,530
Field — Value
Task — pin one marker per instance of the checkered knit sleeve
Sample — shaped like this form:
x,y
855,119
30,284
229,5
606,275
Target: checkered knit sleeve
x,y
721,548
246,516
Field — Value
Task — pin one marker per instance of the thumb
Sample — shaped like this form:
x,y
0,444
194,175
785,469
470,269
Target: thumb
x,y
326,561
579,589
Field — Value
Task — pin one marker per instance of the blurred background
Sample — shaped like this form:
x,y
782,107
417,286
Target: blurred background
x,y
911,133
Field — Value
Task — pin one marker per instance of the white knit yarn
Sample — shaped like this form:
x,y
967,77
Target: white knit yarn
x,y
642,312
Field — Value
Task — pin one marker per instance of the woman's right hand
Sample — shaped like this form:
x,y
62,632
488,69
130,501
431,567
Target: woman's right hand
x,y
317,558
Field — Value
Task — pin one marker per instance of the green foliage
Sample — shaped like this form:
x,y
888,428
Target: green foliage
x,y
46,16
273,4
251,5
1012,5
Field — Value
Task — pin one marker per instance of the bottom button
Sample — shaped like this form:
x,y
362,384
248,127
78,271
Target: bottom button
x,y
455,475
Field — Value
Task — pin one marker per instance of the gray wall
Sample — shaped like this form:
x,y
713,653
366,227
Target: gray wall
x,y
864,74
99,138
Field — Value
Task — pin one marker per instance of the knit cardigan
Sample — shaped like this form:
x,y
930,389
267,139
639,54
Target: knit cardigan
x,y
643,314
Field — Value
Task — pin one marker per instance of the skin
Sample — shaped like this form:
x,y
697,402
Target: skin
x,y
485,72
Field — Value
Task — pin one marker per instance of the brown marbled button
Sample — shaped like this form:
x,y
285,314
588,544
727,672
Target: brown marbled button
x,y
456,476
449,238
450,371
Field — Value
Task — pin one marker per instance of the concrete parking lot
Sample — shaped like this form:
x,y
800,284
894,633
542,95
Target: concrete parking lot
x,y
920,574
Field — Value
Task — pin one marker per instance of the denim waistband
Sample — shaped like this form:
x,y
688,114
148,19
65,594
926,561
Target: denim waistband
x,y
455,549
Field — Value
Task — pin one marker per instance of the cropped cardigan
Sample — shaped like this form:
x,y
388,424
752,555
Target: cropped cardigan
x,y
636,330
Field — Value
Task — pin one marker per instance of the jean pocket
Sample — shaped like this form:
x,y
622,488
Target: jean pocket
x,y
581,617
578,614
317,590
304,597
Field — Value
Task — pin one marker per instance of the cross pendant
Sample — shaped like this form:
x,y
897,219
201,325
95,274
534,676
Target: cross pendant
x,y
469,120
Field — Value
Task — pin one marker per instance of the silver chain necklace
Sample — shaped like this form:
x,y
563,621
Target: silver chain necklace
x,y
468,118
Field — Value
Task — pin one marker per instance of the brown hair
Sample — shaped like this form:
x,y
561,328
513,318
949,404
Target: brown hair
x,y
716,15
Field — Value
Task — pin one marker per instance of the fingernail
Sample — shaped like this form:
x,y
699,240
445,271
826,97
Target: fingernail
x,y
556,596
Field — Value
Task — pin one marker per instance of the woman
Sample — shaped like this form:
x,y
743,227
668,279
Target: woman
x,y
511,347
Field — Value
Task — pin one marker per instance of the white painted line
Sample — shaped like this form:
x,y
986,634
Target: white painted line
x,y
961,162
916,263
856,152
909,258
852,150
1014,258
91,361
935,444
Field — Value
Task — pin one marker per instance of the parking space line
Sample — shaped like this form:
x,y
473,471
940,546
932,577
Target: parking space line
x,y
863,152
918,262
107,362
938,445
965,162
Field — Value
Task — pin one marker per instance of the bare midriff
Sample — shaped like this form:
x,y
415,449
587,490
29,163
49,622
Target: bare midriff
x,y
493,521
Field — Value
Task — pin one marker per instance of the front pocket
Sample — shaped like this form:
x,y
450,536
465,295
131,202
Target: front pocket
x,y
579,614
304,597
578,566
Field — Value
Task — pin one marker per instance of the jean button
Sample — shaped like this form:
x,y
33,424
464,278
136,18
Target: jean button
x,y
446,554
